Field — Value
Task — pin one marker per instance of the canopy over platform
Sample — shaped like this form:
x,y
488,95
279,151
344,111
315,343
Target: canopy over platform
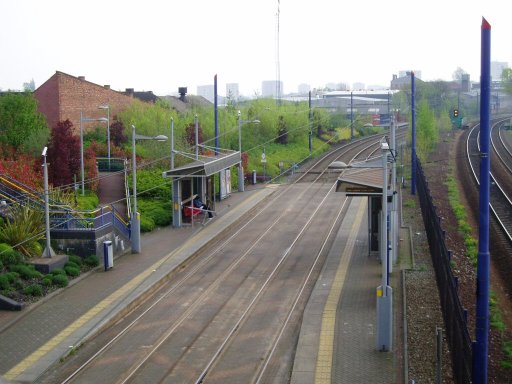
x,y
361,180
205,165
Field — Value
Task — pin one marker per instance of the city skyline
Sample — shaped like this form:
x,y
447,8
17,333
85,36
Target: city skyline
x,y
172,44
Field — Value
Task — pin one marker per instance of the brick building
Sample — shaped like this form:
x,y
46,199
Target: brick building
x,y
64,96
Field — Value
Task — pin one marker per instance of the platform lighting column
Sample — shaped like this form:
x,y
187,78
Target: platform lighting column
x,y
82,153
48,251
351,116
384,291
394,209
240,168
82,119
172,143
197,136
135,219
107,107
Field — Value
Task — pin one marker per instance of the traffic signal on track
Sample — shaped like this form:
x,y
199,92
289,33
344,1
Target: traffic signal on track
x,y
455,112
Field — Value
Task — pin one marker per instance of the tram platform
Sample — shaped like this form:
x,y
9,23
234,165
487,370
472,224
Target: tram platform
x,y
337,341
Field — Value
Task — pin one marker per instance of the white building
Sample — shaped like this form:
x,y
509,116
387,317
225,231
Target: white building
x,y
207,91
270,88
304,89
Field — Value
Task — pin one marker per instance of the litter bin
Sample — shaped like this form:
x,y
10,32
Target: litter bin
x,y
108,255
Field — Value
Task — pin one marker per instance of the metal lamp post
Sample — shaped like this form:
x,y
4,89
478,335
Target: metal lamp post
x,y
135,220
240,168
48,251
82,120
107,107
384,291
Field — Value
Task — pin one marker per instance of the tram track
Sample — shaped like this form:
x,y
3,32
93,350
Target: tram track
x,y
216,294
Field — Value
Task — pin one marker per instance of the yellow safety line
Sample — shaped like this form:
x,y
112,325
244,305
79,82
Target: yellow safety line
x,y
326,346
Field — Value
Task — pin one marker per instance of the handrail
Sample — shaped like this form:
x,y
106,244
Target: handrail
x,y
127,190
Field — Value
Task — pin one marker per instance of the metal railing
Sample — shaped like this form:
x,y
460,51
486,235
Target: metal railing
x,y
455,316
115,164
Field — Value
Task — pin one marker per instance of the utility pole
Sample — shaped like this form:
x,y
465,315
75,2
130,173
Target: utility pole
x,y
310,125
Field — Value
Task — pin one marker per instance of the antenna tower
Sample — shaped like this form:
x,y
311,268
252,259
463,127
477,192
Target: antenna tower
x,y
278,64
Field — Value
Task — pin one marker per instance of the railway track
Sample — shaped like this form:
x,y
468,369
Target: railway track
x,y
500,203
231,314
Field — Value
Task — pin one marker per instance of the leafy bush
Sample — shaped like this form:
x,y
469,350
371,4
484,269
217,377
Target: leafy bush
x,y
4,282
8,255
26,271
92,261
146,224
72,271
47,281
158,211
60,280
71,264
33,290
12,276
150,184
58,271
88,202
75,259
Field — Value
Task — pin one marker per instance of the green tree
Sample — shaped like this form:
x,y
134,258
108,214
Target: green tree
x,y
282,131
21,126
427,134
29,86
506,79
63,154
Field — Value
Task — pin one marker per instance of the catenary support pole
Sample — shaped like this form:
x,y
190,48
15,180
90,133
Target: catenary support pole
x,y
480,347
172,143
310,125
413,145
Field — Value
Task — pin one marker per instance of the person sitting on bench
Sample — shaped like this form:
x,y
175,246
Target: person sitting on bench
x,y
199,204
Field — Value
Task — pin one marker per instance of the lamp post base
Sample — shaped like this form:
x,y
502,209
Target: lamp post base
x,y
135,232
384,319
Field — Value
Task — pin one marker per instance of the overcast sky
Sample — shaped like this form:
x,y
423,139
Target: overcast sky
x,y
159,45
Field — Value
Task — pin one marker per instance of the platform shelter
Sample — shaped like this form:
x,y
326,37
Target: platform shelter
x,y
366,179
196,177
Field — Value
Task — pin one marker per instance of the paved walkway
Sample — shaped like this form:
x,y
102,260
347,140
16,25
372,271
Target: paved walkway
x,y
35,338
111,190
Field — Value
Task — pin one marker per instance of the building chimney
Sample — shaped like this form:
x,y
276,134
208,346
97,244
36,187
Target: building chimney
x,y
182,91
106,86
81,78
129,91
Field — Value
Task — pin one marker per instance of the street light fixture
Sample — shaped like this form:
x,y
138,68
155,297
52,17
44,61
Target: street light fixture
x,y
48,251
240,168
135,219
82,120
107,107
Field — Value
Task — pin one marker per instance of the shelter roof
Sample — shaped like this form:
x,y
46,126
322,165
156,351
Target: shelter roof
x,y
204,165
